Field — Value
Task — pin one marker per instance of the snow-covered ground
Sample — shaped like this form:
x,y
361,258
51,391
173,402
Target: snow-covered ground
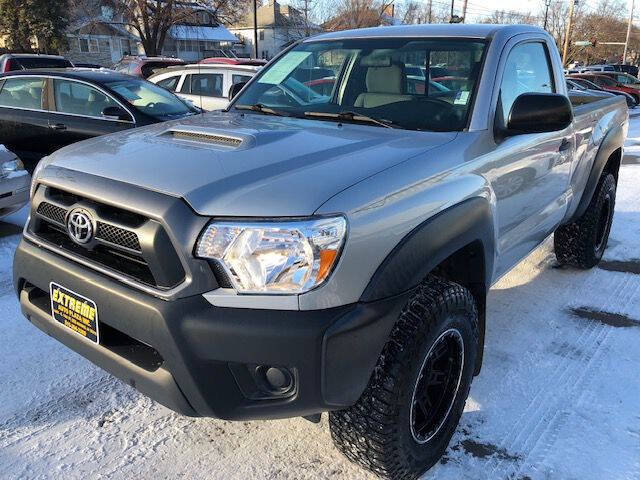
x,y
558,398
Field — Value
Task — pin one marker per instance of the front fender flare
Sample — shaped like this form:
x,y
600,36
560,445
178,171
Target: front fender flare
x,y
430,243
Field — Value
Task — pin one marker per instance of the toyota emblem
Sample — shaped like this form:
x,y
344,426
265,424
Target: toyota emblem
x,y
80,227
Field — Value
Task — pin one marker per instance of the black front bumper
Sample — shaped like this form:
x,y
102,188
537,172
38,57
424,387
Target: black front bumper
x,y
186,353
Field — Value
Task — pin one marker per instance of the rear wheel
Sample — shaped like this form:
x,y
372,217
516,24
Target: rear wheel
x,y
404,420
582,243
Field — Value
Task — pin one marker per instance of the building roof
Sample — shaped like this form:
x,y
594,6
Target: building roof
x,y
100,26
201,32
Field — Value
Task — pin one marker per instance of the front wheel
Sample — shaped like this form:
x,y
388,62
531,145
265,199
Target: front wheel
x,y
404,420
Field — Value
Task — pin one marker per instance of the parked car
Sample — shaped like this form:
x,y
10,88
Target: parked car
x,y
81,103
256,62
204,85
142,66
624,79
588,89
598,68
631,102
295,255
609,84
14,183
21,61
630,69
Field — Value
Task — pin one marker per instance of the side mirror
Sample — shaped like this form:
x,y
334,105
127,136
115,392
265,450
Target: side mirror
x,y
116,113
539,113
235,89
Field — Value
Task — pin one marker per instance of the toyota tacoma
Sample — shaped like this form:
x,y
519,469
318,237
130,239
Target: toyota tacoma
x,y
313,250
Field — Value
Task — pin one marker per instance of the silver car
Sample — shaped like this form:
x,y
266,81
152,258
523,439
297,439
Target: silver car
x,y
14,183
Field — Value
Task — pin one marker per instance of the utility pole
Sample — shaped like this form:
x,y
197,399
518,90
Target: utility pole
x,y
567,37
546,12
626,43
430,6
255,28
452,1
464,10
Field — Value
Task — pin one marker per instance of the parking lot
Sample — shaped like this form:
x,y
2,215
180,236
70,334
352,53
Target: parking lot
x,y
557,398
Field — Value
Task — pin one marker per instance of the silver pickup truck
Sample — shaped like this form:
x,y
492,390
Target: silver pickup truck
x,y
326,244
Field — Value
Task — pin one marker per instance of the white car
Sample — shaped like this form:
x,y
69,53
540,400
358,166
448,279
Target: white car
x,y
205,85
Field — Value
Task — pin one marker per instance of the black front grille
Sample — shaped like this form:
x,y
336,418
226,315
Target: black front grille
x,y
133,266
118,236
52,212
105,231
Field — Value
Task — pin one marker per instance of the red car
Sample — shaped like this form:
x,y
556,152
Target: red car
x,y
235,61
141,66
608,83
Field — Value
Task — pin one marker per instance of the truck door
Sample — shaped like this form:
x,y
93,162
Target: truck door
x,y
530,173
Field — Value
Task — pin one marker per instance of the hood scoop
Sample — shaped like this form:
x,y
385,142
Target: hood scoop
x,y
205,136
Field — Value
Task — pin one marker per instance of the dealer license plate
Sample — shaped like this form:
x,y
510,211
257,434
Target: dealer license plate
x,y
74,311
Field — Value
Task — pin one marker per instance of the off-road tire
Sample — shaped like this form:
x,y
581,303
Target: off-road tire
x,y
376,433
582,243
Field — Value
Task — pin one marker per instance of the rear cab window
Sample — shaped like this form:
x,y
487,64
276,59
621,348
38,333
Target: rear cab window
x,y
22,92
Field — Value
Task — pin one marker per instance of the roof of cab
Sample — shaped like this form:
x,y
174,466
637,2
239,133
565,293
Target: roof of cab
x,y
481,31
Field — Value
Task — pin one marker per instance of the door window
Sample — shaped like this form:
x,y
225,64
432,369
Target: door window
x,y
207,84
527,70
169,83
239,79
24,92
80,99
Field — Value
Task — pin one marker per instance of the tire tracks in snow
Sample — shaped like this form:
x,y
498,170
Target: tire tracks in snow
x,y
538,427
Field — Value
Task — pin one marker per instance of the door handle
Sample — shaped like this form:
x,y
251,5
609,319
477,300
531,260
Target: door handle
x,y
58,126
565,145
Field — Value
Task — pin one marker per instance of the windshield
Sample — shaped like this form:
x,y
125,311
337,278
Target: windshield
x,y
150,99
417,84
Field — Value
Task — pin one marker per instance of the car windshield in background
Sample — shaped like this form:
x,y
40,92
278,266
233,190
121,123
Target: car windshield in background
x,y
150,99
384,82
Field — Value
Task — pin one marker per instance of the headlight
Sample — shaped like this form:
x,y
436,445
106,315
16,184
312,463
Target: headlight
x,y
268,257
36,173
11,166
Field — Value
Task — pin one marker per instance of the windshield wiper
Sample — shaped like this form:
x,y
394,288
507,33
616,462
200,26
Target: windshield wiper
x,y
354,117
261,108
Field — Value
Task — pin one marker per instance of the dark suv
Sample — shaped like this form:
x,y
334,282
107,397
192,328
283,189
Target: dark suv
x,y
145,66
23,61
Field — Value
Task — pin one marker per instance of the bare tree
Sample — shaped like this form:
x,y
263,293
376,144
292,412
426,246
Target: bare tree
x,y
152,19
307,14
359,14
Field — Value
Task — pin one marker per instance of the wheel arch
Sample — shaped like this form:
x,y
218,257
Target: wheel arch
x,y
458,245
608,158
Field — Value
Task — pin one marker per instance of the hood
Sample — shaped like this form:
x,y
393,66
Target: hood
x,y
230,164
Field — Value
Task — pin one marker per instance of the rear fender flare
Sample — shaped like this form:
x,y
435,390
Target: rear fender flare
x,y
613,140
